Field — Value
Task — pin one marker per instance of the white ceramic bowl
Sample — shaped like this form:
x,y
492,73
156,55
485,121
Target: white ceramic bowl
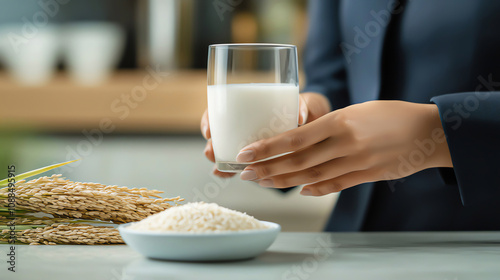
x,y
223,246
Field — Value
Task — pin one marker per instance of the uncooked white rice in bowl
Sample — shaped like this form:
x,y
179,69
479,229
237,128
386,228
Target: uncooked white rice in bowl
x,y
198,217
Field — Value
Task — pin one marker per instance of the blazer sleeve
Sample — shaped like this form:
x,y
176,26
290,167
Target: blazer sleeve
x,y
471,122
324,63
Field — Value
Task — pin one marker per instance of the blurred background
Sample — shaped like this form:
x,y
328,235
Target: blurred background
x,y
122,85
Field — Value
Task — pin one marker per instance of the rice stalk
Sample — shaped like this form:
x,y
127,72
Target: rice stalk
x,y
31,220
35,172
60,233
66,199
70,206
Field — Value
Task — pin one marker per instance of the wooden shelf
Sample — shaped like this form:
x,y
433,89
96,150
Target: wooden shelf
x,y
175,104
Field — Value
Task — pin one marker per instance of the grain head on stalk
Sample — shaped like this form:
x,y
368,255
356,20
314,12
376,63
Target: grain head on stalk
x,y
69,208
66,199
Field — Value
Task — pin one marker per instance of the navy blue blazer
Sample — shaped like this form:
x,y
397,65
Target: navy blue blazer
x,y
441,51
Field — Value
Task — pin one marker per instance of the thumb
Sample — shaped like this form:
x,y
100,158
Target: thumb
x,y
303,110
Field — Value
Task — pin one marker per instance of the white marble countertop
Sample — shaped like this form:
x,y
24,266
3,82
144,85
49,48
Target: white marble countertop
x,y
294,256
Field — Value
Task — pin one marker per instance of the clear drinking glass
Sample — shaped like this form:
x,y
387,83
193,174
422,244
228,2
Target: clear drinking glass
x,y
253,93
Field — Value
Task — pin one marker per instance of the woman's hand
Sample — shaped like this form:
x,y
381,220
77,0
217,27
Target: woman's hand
x,y
311,107
372,141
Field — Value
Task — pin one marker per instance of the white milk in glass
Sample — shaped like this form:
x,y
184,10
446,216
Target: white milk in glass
x,y
241,114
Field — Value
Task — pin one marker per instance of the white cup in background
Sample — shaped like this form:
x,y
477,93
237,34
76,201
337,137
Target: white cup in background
x,y
92,50
30,55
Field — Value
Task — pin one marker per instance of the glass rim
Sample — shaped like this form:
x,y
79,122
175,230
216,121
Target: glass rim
x,y
257,45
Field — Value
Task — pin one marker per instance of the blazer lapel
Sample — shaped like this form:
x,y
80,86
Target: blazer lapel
x,y
364,25
350,210
370,18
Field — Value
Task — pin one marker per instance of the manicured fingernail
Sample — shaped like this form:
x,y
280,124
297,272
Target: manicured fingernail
x,y
204,131
268,183
306,192
248,175
245,156
303,114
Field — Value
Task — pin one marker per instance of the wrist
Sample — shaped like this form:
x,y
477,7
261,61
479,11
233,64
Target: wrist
x,y
435,133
